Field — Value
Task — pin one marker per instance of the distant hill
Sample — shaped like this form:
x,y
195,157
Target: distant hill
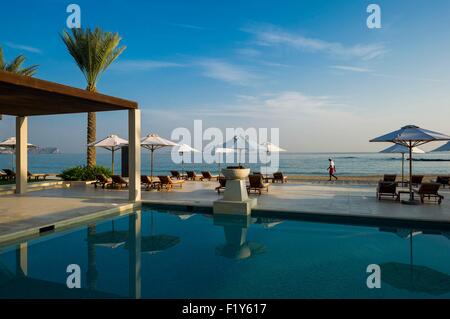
x,y
40,150
45,150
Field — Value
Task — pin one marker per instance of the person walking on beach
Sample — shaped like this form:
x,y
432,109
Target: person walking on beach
x,y
332,169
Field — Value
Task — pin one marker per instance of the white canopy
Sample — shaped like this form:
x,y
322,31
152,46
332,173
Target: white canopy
x,y
223,150
184,148
111,142
411,136
400,149
153,142
271,148
239,142
11,143
443,148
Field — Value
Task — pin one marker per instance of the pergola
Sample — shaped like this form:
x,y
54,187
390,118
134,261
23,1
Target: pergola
x,y
25,96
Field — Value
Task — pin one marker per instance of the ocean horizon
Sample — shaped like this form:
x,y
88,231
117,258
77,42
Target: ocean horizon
x,y
291,163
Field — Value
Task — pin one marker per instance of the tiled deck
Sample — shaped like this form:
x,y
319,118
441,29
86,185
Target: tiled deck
x,y
50,206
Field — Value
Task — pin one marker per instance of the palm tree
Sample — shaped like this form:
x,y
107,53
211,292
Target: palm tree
x,y
16,65
93,51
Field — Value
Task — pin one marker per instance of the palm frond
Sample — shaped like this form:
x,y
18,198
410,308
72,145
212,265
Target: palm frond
x,y
16,65
93,51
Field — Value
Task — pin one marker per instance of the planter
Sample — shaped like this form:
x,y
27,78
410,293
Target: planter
x,y
236,173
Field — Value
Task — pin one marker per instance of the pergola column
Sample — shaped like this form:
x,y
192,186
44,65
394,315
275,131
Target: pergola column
x,y
21,154
134,255
134,154
22,259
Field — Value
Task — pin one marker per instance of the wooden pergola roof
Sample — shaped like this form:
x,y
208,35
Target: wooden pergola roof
x,y
27,96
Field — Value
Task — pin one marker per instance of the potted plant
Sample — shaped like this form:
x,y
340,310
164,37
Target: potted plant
x,y
236,172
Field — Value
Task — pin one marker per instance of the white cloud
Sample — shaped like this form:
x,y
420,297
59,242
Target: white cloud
x,y
23,47
270,35
248,52
227,72
351,69
143,65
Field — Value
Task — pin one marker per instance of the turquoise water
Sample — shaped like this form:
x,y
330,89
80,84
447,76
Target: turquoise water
x,y
189,255
290,163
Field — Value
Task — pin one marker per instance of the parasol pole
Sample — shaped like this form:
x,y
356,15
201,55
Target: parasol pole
x,y
151,164
182,163
112,160
411,194
403,169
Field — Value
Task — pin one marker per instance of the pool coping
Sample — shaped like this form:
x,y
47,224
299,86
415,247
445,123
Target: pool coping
x,y
66,224
309,216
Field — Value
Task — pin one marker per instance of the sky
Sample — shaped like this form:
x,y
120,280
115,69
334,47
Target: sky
x,y
311,68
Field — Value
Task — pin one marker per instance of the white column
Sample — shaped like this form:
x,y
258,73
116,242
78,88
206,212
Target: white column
x,y
134,255
134,155
22,259
21,154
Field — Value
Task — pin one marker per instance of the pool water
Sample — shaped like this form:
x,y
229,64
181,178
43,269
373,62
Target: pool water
x,y
173,254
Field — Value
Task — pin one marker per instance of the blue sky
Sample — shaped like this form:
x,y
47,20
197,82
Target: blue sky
x,y
311,68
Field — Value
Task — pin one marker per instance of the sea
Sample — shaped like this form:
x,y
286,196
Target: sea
x,y
347,164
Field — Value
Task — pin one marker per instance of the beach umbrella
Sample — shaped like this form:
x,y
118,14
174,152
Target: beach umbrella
x,y
412,277
268,148
184,148
111,239
10,143
239,144
443,148
154,142
111,143
153,243
400,149
421,279
220,151
411,136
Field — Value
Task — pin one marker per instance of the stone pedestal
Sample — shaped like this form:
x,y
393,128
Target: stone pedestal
x,y
235,200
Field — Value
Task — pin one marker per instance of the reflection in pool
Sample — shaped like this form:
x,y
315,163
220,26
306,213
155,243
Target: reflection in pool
x,y
173,254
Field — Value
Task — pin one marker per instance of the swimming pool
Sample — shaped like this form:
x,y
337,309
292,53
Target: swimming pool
x,y
173,254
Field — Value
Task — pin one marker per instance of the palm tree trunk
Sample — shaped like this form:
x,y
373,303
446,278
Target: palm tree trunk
x,y
91,137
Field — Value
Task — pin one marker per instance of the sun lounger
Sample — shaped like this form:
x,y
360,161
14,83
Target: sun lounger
x,y
416,180
389,177
3,175
443,180
257,184
278,177
191,175
387,189
429,190
168,183
102,180
148,182
10,175
36,176
119,182
208,176
176,175
222,184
